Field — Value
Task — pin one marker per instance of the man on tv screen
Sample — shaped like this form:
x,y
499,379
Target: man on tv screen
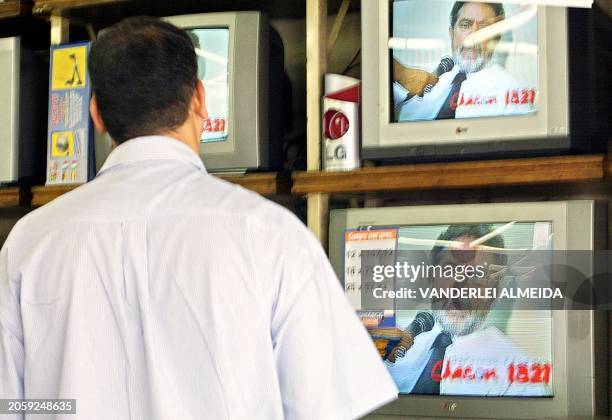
x,y
462,354
471,81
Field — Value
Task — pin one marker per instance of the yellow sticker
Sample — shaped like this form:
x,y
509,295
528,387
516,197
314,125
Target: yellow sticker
x,y
69,68
62,144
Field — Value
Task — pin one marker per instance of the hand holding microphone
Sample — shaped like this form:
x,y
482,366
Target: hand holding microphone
x,y
419,82
445,66
400,350
423,322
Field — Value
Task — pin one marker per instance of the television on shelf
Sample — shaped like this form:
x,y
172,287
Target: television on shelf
x,y
240,62
444,79
498,361
23,87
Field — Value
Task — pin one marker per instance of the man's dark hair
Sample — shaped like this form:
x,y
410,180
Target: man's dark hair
x,y
498,8
475,231
143,73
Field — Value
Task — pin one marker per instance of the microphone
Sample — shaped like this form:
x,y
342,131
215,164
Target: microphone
x,y
423,322
446,65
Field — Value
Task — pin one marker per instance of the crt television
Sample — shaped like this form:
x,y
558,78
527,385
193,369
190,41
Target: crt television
x,y
237,62
548,339
23,87
445,79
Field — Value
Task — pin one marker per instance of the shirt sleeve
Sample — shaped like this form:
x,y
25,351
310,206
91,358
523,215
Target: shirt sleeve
x,y
400,94
328,367
11,335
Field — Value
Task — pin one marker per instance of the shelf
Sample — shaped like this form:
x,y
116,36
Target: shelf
x,y
9,197
49,6
267,183
528,171
14,8
263,183
274,9
42,195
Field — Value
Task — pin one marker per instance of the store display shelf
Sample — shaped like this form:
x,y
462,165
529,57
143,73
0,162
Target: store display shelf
x,y
527,171
50,6
265,183
268,183
9,197
14,8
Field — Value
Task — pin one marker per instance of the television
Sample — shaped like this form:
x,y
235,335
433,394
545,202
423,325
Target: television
x,y
240,63
23,83
445,79
567,345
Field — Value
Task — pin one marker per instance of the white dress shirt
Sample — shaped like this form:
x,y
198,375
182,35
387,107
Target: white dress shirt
x,y
488,85
157,291
486,349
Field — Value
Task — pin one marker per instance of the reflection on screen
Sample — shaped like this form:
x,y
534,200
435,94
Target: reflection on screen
x,y
462,60
483,351
212,49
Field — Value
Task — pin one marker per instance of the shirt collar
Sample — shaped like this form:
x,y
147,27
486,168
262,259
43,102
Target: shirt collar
x,y
148,148
483,71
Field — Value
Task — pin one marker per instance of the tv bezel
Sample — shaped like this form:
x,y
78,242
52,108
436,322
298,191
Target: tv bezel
x,y
9,169
545,131
246,146
24,119
577,225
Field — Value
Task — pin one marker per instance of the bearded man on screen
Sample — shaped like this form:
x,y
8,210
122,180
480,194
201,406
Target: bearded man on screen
x,y
475,86
461,341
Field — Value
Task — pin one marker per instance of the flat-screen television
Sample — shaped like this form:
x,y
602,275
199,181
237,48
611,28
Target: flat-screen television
x,y
238,59
560,352
444,78
23,87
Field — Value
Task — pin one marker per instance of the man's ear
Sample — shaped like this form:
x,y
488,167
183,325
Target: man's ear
x,y
96,117
199,101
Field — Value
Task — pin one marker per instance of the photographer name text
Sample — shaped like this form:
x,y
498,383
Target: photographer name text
x,y
468,293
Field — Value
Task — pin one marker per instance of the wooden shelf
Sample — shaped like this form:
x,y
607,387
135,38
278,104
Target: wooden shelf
x,y
15,8
50,6
44,194
275,9
266,183
528,171
9,197
263,183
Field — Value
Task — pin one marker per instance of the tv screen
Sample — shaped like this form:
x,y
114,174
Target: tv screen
x,y
462,60
473,348
212,49
478,356
236,64
454,80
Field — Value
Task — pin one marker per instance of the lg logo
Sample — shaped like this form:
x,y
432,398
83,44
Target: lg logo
x,y
335,124
335,152
450,406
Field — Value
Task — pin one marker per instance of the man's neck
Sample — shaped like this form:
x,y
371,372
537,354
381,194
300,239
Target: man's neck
x,y
484,67
182,135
